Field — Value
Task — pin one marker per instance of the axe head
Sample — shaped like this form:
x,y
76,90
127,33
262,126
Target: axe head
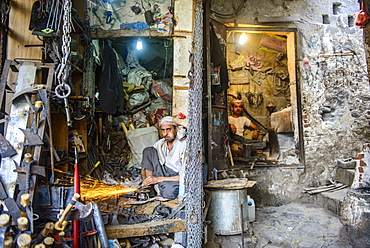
x,y
81,212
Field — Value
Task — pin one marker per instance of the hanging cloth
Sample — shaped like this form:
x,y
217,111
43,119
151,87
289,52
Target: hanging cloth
x,y
111,95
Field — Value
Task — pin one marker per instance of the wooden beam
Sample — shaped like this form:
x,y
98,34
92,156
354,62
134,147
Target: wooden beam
x,y
147,228
100,33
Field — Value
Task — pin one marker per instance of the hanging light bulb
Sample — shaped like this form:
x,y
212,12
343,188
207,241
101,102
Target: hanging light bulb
x,y
243,38
139,44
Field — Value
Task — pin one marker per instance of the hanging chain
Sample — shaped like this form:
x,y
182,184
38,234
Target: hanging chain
x,y
88,86
194,149
62,90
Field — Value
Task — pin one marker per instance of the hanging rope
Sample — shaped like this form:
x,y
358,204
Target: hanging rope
x,y
193,172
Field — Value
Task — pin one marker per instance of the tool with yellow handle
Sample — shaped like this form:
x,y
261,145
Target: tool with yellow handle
x,y
61,224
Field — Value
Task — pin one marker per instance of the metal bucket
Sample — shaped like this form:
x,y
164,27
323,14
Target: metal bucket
x,y
225,211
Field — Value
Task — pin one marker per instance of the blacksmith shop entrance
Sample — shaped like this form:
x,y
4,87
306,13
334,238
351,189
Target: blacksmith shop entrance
x,y
261,65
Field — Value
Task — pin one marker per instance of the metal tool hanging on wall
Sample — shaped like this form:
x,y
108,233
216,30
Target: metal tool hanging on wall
x,y
166,43
63,89
54,18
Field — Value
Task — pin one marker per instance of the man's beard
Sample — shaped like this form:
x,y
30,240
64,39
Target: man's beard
x,y
170,140
238,112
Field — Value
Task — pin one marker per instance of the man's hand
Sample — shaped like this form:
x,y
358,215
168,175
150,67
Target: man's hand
x,y
255,134
233,128
150,180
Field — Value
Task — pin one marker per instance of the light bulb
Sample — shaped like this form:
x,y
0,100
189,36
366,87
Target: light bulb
x,y
243,38
139,45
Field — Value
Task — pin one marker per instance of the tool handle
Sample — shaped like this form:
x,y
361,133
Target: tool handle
x,y
75,197
22,223
123,127
25,200
40,246
44,233
47,229
24,240
28,158
4,220
8,242
93,168
48,241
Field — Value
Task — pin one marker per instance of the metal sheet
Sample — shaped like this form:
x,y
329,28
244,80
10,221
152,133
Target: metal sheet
x,y
18,119
6,149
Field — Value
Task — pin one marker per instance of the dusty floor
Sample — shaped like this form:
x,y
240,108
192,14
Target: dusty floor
x,y
292,225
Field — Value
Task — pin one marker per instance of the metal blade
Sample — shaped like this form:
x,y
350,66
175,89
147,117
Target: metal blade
x,y
6,149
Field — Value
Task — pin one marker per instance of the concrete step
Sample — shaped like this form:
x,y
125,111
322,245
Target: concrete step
x,y
332,201
345,175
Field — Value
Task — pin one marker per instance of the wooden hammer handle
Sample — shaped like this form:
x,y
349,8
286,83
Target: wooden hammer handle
x,y
75,197
24,240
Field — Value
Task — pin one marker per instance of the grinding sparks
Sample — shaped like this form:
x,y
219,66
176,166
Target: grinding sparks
x,y
93,190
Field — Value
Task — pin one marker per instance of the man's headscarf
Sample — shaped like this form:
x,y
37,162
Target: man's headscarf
x,y
236,101
167,120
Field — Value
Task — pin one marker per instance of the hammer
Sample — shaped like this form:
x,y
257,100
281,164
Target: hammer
x,y
83,212
60,225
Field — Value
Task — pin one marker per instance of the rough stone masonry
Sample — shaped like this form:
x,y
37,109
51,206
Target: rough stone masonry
x,y
333,88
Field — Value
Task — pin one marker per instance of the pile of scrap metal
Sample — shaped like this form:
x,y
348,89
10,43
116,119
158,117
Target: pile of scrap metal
x,y
25,165
115,215
116,172
163,240
48,224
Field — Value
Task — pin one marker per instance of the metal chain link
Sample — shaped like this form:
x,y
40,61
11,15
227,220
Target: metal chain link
x,y
88,86
62,90
193,174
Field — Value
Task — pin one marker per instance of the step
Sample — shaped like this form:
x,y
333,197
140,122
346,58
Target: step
x,y
332,201
345,175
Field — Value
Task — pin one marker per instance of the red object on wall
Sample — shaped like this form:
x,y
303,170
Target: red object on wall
x,y
362,18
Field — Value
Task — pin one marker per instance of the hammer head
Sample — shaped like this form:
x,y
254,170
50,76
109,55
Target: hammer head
x,y
81,212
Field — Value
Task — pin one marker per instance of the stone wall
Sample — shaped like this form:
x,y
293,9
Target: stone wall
x,y
275,186
333,85
355,214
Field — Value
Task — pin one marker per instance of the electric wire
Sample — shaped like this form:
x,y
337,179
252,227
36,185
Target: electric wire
x,y
229,15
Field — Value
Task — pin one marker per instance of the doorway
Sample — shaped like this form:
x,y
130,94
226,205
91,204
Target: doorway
x,y
262,74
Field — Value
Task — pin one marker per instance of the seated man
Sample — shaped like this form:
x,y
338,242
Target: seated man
x,y
238,123
164,163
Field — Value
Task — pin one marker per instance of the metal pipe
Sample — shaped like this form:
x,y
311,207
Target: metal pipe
x,y
99,224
